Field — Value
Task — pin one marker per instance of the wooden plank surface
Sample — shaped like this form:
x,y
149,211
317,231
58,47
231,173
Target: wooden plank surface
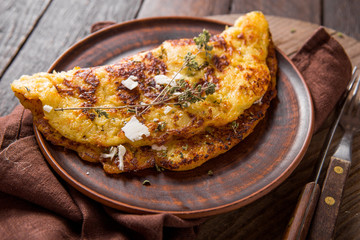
x,y
17,20
151,8
65,22
306,10
343,16
336,14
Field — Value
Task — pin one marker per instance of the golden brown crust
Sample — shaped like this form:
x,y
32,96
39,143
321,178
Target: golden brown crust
x,y
236,67
220,140
182,147
217,140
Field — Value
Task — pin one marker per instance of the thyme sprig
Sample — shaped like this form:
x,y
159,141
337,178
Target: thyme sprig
x,y
164,92
185,97
182,91
195,94
189,61
202,42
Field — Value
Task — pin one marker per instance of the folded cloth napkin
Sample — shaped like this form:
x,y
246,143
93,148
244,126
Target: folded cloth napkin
x,y
37,204
326,69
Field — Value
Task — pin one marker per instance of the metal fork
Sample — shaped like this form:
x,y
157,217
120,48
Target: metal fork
x,y
323,223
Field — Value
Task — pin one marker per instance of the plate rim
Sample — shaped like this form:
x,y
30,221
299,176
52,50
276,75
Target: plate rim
x,y
186,214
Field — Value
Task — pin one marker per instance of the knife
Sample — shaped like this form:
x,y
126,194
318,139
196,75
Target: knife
x,y
300,221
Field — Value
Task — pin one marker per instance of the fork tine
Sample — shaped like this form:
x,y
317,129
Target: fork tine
x,y
349,89
353,96
353,78
357,100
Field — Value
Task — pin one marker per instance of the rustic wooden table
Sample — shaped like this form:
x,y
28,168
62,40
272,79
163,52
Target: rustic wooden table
x,y
34,33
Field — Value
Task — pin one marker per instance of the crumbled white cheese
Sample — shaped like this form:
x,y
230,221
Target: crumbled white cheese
x,y
111,154
134,130
130,82
47,108
167,109
158,148
162,80
155,119
120,151
121,154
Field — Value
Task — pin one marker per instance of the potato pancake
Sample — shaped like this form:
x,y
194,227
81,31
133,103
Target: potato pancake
x,y
174,107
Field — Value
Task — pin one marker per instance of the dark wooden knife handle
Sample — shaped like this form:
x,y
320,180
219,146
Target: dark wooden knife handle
x,y
327,210
308,197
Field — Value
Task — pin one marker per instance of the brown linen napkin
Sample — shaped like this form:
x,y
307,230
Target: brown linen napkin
x,y
326,69
37,204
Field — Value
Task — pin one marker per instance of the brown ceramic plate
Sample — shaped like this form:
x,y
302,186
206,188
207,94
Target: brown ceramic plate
x,y
248,171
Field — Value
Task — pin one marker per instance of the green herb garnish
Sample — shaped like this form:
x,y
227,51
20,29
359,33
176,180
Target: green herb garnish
x,y
164,154
234,125
202,42
132,110
340,35
101,113
159,169
161,126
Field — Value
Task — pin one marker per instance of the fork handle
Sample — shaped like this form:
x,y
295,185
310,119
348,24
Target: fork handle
x,y
323,224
